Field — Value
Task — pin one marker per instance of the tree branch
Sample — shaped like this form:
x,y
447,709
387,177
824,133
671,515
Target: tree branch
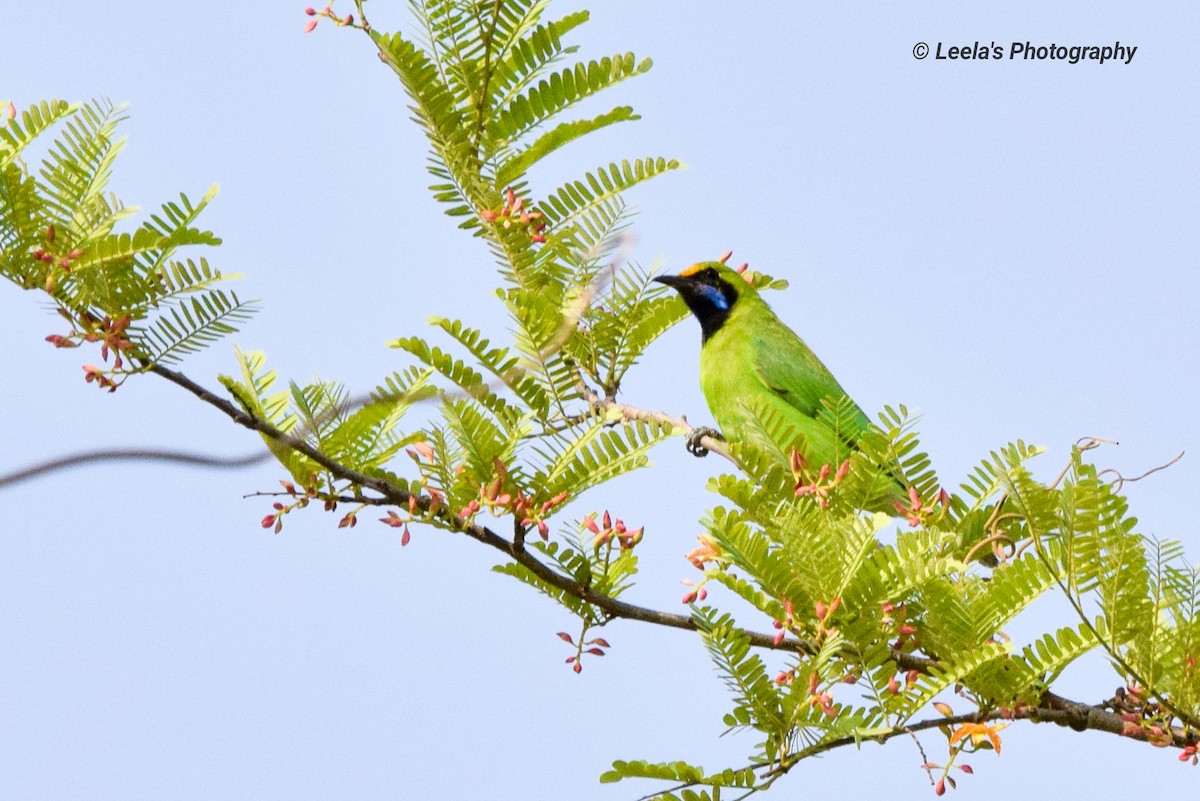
x,y
1052,708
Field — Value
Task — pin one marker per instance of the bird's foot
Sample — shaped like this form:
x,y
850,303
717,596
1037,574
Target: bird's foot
x,y
693,441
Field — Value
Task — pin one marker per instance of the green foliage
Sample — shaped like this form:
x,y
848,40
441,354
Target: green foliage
x,y
878,619
59,235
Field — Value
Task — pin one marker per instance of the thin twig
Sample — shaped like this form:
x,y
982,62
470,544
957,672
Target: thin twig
x,y
132,454
1120,481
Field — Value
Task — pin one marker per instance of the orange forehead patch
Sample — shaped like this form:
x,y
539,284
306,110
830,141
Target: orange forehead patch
x,y
690,271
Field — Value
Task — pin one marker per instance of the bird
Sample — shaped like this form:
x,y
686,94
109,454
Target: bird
x,y
752,364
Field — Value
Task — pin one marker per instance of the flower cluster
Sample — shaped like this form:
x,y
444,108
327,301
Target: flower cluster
x,y
113,339
608,529
817,486
60,263
275,519
327,13
917,512
594,647
513,212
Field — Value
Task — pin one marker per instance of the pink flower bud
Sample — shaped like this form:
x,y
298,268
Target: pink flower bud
x,y
310,11
940,787
405,538
562,635
268,521
308,26
603,643
589,523
12,111
595,652
577,668
966,768
779,635
690,597
724,257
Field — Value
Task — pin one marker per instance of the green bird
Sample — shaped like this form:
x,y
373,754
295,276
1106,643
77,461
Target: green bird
x,y
750,363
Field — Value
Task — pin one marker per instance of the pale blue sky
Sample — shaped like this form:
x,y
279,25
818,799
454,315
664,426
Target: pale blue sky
x,y
1009,247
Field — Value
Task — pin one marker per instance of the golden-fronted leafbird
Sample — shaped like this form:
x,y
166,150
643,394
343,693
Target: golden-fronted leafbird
x,y
752,365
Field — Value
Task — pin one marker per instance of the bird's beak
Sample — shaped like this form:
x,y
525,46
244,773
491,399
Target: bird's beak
x,y
674,281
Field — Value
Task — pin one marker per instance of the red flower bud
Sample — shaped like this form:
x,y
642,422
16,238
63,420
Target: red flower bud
x,y
308,27
268,521
562,635
940,787
310,11
779,635
577,668
488,215
595,652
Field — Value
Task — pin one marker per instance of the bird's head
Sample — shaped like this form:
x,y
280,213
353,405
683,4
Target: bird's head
x,y
711,290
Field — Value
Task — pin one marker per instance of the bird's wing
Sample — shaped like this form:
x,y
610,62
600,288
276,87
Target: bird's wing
x,y
790,369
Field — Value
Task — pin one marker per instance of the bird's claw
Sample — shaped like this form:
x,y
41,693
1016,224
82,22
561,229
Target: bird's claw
x,y
693,441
